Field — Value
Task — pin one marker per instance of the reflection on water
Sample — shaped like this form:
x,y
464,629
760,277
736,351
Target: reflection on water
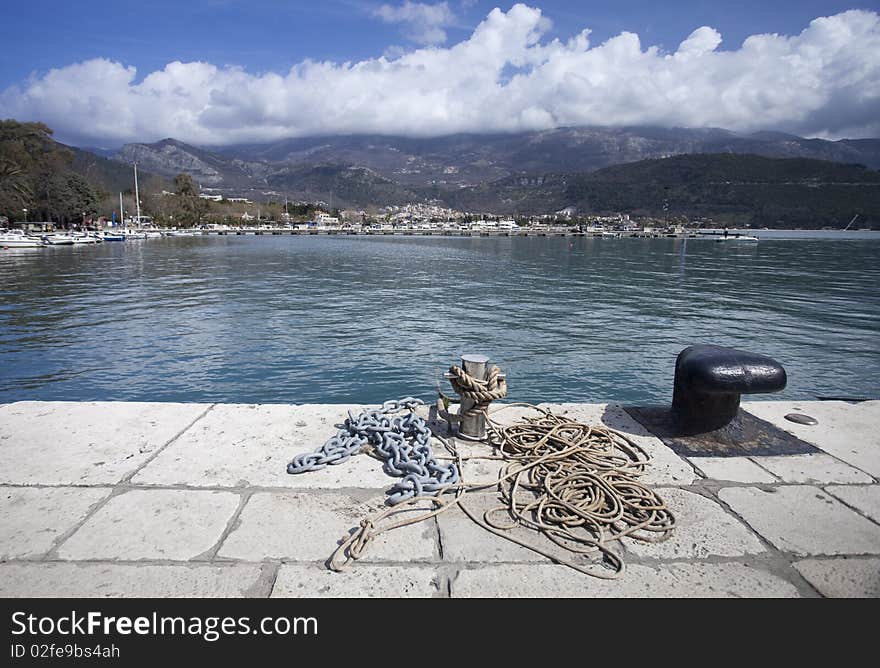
x,y
337,319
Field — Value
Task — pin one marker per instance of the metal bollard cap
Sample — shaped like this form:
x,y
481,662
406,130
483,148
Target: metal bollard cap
x,y
475,359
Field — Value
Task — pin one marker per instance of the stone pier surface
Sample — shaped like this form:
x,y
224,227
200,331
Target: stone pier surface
x,y
154,499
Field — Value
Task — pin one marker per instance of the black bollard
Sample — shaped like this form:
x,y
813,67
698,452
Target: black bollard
x,y
709,381
706,419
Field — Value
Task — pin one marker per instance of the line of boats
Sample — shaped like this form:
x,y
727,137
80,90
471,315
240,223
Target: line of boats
x,y
738,237
20,239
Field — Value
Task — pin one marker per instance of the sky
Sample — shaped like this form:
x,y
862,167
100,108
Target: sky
x,y
103,73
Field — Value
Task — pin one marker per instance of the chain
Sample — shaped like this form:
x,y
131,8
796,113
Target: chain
x,y
402,441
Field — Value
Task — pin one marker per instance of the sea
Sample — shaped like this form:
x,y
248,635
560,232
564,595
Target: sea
x,y
364,319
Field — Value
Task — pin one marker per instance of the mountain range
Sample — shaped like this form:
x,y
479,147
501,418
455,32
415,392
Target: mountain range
x,y
529,172
464,159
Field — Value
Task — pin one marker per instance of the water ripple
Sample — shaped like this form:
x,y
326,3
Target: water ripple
x,y
323,319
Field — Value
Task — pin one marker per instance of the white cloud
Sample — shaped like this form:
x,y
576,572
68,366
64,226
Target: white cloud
x,y
824,81
425,24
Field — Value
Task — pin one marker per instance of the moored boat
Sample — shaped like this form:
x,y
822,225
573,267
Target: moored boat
x,y
58,239
17,239
737,237
86,239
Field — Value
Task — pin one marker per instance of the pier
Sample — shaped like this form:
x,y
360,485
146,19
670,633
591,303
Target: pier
x,y
439,232
158,499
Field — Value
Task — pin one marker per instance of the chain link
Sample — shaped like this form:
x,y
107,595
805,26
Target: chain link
x,y
402,441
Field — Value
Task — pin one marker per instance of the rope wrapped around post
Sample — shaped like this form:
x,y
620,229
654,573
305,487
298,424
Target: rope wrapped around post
x,y
481,392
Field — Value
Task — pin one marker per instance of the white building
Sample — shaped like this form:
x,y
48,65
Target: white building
x,y
326,220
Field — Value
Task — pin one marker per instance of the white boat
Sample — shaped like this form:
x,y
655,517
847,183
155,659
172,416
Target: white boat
x,y
86,239
58,239
111,236
17,239
737,237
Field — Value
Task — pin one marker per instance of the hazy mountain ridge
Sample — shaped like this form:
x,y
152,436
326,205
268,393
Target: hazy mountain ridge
x,y
170,157
731,188
469,159
597,170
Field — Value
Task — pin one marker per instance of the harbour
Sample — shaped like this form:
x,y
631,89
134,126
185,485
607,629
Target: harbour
x,y
303,318
434,300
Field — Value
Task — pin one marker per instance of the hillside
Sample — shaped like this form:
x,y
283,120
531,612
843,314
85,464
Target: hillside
x,y
341,185
109,176
170,157
597,170
470,159
735,189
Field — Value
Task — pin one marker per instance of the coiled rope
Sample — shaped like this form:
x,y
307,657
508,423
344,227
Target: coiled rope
x,y
573,483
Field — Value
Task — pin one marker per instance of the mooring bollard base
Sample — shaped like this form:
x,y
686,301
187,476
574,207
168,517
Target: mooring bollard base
x,y
472,427
705,418
745,435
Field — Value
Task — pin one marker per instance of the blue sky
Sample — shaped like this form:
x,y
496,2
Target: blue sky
x,y
95,44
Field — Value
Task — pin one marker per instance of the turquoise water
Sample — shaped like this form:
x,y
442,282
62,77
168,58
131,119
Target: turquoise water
x,y
362,319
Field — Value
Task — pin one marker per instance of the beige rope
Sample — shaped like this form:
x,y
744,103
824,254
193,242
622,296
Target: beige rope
x,y
574,483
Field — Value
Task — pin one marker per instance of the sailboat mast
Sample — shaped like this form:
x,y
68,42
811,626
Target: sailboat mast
x,y
137,197
121,212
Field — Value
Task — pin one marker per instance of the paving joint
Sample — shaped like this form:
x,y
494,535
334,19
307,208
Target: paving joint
x,y
126,478
231,525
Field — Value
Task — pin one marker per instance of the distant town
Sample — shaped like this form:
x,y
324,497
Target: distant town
x,y
238,214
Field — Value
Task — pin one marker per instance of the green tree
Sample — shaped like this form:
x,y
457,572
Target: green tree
x,y
36,174
189,209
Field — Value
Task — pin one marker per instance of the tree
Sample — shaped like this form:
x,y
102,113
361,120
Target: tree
x,y
36,174
64,197
189,208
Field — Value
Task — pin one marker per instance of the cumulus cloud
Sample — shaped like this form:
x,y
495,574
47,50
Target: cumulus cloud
x,y
506,76
425,24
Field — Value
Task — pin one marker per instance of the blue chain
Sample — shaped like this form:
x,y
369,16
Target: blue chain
x,y
403,441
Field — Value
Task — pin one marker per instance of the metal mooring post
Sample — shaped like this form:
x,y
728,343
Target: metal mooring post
x,y
472,427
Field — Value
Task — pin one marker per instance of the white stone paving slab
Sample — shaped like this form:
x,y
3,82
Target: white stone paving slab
x,y
108,580
477,471
703,529
866,499
153,524
672,580
90,443
843,578
666,468
847,431
308,526
32,518
814,468
465,541
732,469
804,520
360,581
239,445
